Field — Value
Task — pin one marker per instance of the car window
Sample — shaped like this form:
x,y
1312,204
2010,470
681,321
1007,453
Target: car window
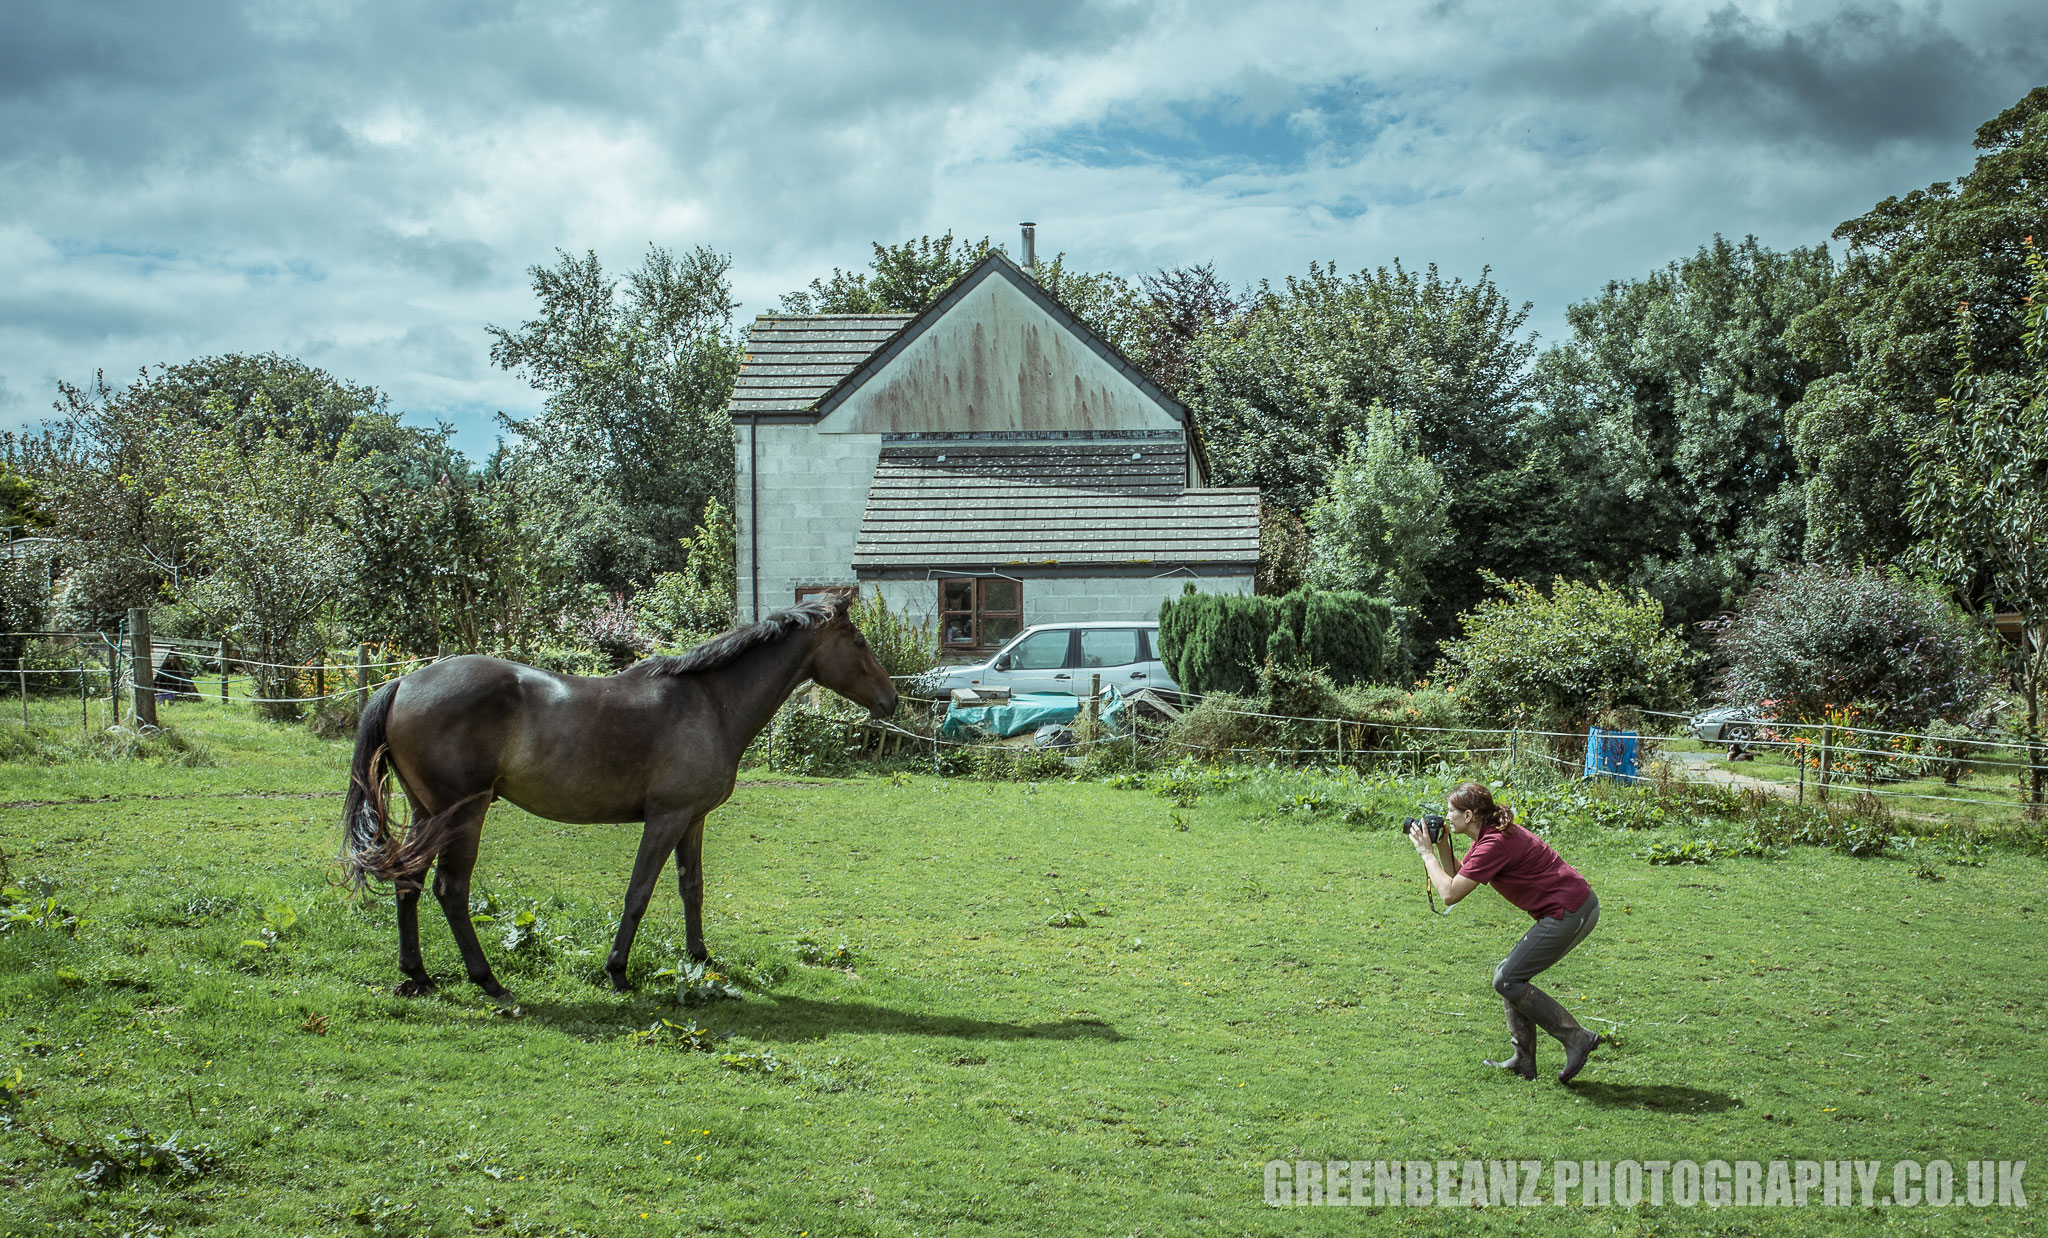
x,y
1109,647
1040,651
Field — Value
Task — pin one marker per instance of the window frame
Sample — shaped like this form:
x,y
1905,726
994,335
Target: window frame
x,y
811,593
977,642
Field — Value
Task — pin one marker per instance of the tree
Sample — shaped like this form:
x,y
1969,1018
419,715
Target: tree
x,y
1680,383
257,397
1882,337
902,279
1278,390
634,438
445,564
1184,304
103,463
1276,394
1561,661
1816,638
1980,490
268,555
1384,517
702,600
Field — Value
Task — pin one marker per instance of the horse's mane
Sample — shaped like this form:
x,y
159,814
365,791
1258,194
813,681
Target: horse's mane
x,y
723,651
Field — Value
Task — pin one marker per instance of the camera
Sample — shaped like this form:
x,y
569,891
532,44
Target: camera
x,y
1429,821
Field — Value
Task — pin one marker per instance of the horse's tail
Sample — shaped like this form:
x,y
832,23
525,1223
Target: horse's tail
x,y
366,842
370,849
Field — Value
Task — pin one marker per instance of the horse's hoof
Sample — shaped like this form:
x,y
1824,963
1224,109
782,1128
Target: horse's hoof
x,y
496,992
415,988
620,983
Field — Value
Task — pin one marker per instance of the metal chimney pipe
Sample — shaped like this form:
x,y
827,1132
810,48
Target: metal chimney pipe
x,y
1030,246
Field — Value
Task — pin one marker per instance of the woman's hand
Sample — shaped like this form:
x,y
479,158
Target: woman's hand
x,y
1419,835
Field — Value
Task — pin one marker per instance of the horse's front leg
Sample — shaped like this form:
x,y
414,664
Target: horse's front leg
x,y
690,880
664,831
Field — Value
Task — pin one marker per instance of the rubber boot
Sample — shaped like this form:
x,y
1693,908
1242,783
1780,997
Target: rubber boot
x,y
1523,1034
1543,1010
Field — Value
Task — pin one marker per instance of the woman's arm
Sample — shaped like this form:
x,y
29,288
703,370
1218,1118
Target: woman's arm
x,y
1449,888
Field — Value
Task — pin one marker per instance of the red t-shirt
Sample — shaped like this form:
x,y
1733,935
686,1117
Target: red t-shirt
x,y
1526,872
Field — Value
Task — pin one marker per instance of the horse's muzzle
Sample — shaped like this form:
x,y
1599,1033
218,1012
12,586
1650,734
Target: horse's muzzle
x,y
884,707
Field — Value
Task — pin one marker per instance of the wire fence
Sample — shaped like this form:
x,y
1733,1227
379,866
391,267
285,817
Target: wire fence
x,y
1836,754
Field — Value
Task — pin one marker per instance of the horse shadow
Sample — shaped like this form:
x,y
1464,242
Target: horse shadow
x,y
1662,1097
790,1019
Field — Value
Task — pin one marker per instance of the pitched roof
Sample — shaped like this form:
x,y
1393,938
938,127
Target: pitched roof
x,y
997,265
1088,502
794,359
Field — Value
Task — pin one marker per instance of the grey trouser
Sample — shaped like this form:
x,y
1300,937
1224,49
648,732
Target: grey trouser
x,y
1547,941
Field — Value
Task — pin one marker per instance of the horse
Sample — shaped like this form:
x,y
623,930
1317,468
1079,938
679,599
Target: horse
x,y
659,742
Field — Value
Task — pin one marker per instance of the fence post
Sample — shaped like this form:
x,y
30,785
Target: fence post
x,y
21,673
142,666
223,671
114,674
1827,741
320,677
1094,699
362,674
83,724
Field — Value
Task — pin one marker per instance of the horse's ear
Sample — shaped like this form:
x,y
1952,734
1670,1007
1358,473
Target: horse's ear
x,y
841,603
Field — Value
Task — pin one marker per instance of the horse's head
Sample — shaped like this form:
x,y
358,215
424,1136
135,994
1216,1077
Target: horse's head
x,y
842,661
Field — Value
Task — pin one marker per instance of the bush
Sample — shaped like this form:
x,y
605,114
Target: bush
x,y
1563,660
1821,636
906,647
24,600
1424,723
1218,642
1953,750
699,602
47,664
809,744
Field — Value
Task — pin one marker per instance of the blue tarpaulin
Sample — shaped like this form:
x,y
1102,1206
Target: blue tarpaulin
x,y
1022,713
1611,754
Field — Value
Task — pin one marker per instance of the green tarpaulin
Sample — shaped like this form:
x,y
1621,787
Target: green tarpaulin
x,y
1022,713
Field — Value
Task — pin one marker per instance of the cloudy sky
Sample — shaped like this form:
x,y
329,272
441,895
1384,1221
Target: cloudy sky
x,y
364,185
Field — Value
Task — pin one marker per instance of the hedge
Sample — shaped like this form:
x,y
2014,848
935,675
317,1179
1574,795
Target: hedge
x,y
1216,642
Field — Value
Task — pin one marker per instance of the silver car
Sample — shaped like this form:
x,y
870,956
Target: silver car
x,y
1065,657
1729,724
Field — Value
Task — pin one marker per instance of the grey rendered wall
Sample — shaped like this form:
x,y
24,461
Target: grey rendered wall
x,y
813,493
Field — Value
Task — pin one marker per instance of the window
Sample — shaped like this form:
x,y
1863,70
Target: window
x,y
1040,651
813,593
979,612
1110,647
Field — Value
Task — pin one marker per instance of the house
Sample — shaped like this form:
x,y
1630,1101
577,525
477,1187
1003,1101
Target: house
x,y
988,464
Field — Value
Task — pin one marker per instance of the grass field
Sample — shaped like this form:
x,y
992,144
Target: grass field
x,y
1253,975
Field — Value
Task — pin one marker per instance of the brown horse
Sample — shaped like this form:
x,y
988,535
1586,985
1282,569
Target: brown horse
x,y
658,743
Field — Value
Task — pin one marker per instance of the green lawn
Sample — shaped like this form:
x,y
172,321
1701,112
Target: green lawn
x,y
1264,983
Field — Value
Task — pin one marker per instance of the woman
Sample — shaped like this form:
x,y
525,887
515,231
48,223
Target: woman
x,y
1527,873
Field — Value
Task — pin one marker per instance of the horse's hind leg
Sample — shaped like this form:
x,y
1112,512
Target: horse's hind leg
x,y
451,889
417,981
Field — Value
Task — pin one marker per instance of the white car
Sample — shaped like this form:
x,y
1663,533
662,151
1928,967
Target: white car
x,y
1064,657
